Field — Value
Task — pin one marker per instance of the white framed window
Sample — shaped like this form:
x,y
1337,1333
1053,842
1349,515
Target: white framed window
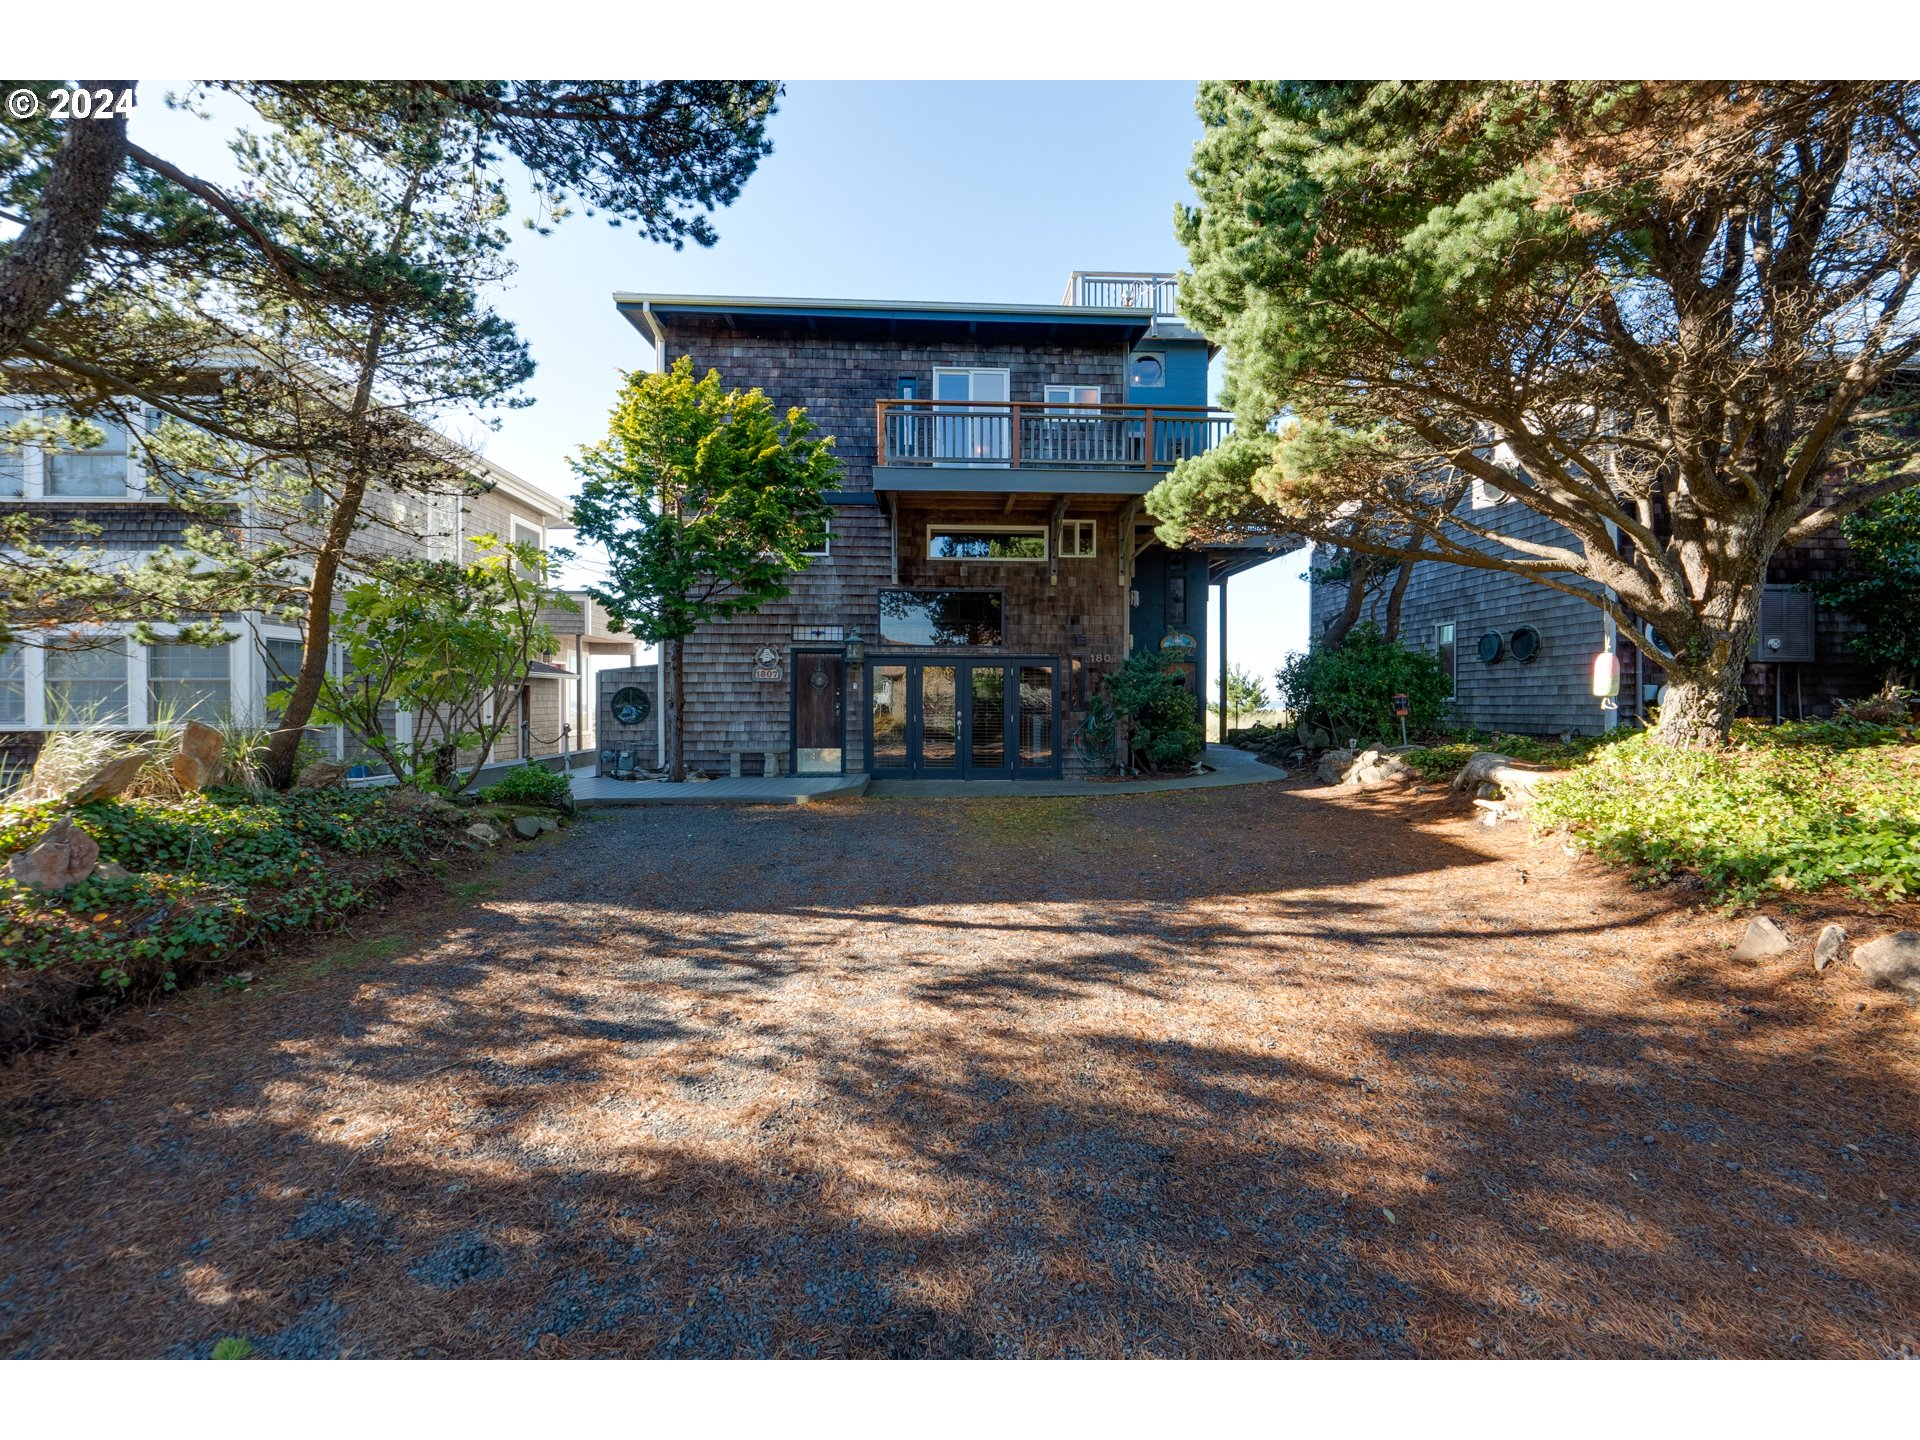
x,y
13,685
826,545
527,533
13,455
1076,539
1073,394
993,543
1445,649
87,684
99,473
189,682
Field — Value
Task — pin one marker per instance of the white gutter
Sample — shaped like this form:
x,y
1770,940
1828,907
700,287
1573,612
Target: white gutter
x,y
659,650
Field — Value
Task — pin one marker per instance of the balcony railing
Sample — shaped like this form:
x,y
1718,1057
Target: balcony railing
x,y
1045,436
1132,290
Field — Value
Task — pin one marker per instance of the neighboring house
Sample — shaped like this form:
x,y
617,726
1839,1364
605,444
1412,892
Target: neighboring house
x,y
1522,656
49,683
989,557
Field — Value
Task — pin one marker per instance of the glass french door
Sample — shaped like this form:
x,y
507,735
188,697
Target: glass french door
x,y
976,433
964,719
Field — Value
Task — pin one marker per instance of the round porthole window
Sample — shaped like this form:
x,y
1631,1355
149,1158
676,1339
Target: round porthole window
x,y
1149,370
1525,643
631,705
1492,647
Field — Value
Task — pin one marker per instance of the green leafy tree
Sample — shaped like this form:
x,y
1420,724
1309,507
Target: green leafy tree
x,y
449,644
1881,588
1347,690
1246,691
1142,716
705,507
1671,318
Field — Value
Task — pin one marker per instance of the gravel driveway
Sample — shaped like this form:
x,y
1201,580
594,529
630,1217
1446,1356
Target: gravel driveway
x,y
1262,1072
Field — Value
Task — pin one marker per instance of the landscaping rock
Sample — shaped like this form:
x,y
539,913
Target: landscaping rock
x,y
1892,961
108,779
1333,766
321,775
1827,948
1763,939
420,802
527,827
111,870
64,856
198,763
483,832
1375,768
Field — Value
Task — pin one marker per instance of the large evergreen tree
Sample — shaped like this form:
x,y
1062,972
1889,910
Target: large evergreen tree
x,y
1672,318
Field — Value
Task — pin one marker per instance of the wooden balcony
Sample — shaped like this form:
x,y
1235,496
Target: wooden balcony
x,y
1039,436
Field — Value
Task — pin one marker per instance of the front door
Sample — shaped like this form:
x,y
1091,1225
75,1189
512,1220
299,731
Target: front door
x,y
819,679
964,719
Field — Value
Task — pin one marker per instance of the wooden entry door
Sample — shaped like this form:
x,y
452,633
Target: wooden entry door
x,y
819,686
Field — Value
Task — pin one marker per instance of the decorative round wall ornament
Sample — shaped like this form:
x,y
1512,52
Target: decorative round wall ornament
x,y
631,705
766,655
819,680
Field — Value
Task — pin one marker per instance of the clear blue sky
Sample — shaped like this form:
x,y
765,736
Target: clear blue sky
x,y
921,191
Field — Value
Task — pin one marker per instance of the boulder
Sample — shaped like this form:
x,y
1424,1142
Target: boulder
x,y
64,856
198,761
1892,961
1375,768
1826,949
483,832
111,870
527,827
420,802
321,775
109,778
1762,940
1334,766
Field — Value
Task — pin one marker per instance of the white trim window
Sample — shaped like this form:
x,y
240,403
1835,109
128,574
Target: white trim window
x,y
1447,651
97,473
87,684
189,682
1073,394
994,544
525,532
1077,539
13,685
826,545
13,456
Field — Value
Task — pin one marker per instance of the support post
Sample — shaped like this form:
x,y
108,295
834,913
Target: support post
x,y
1223,659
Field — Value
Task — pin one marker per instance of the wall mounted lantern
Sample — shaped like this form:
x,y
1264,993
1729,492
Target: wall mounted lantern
x,y
856,648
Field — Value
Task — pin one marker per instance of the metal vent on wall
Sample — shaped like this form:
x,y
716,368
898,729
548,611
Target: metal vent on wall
x,y
1785,635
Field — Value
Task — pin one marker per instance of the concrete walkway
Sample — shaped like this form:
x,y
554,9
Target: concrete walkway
x,y
1230,767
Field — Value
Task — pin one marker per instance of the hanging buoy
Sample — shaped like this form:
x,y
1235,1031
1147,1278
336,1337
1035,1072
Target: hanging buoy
x,y
1606,675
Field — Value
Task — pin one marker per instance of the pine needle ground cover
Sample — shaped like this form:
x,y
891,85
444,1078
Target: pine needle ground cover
x,y
207,876
1275,1071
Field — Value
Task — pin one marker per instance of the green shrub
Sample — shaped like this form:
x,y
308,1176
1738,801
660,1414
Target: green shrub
x,y
233,1347
1785,808
1349,690
531,785
1163,717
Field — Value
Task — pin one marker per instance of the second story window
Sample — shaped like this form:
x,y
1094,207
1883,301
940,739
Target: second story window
x,y
13,455
972,432
98,472
987,542
528,534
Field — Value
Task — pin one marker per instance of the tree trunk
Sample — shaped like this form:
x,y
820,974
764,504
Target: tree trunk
x,y
1394,598
1700,705
1360,570
676,711
46,257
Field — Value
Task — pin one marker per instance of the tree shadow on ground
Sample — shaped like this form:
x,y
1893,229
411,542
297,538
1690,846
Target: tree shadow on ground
x,y
906,1117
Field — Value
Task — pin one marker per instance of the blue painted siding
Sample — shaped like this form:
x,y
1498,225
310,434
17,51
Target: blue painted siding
x,y
1186,374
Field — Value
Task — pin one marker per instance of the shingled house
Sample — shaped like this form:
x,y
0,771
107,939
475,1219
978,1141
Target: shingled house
x,y
104,677
990,555
1521,655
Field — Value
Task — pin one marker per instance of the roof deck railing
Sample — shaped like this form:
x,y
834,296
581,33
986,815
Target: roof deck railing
x,y
1050,436
1127,289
